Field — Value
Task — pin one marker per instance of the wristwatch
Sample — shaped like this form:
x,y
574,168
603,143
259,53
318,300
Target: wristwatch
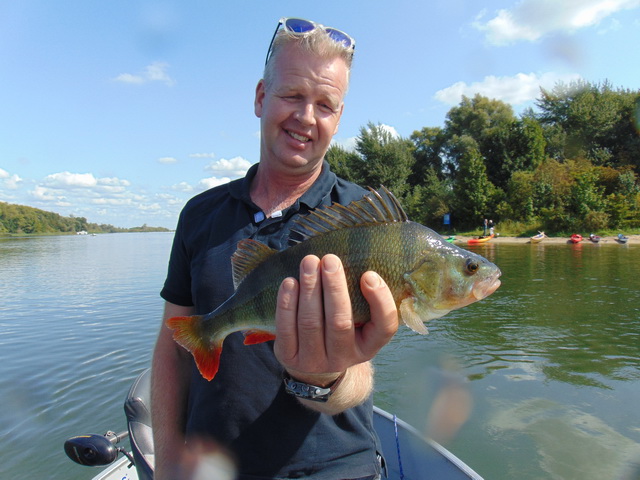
x,y
311,392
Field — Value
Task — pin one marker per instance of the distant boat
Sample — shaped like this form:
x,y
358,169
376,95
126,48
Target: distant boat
x,y
451,239
594,238
538,238
575,238
475,241
622,239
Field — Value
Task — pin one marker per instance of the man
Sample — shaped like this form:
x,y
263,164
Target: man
x,y
271,429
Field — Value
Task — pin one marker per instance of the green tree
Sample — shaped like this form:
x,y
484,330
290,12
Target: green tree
x,y
344,163
473,190
492,124
428,153
384,159
599,122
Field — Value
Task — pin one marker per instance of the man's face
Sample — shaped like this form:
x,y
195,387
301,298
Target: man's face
x,y
301,109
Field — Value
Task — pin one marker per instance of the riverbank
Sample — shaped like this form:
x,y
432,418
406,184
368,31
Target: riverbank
x,y
547,240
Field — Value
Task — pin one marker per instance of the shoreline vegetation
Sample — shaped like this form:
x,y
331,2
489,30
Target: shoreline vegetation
x,y
21,221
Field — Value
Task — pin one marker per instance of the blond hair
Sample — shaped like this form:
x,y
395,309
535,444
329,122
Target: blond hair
x,y
316,42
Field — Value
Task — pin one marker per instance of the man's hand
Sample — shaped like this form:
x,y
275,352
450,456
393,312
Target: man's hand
x,y
316,339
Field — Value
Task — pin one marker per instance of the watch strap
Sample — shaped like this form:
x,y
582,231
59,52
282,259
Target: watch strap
x,y
307,391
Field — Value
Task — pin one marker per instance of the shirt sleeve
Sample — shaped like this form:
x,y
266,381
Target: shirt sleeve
x,y
177,286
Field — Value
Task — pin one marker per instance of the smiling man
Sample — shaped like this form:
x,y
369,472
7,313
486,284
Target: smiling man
x,y
300,406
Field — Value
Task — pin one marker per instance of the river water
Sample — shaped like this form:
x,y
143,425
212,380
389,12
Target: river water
x,y
544,374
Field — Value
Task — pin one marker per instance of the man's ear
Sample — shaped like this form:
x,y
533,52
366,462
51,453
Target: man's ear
x,y
258,102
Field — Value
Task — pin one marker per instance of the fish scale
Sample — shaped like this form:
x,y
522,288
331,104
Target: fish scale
x,y
427,276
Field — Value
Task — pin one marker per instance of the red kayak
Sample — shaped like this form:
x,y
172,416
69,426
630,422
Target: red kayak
x,y
474,241
576,238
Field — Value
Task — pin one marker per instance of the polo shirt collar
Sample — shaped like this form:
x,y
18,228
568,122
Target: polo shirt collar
x,y
321,188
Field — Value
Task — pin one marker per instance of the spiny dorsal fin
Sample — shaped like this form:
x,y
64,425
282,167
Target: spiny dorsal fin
x,y
376,207
250,253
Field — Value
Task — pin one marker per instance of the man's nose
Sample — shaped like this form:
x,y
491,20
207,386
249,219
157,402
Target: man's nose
x,y
306,114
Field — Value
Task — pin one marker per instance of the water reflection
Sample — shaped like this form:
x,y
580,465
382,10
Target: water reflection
x,y
552,361
545,377
556,429
574,315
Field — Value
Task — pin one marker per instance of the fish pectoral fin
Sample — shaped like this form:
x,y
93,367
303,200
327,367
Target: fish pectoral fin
x,y
206,355
410,317
253,337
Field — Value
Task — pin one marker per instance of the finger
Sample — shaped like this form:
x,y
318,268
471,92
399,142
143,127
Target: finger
x,y
286,344
383,325
310,314
339,329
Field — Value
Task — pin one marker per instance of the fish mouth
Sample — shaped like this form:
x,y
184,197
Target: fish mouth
x,y
486,287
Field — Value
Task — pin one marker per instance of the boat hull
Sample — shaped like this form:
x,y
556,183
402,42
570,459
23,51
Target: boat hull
x,y
408,454
575,238
538,238
476,241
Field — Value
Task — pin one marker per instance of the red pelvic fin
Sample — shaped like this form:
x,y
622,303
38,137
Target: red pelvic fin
x,y
206,354
252,337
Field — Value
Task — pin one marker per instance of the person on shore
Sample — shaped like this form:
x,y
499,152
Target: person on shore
x,y
272,431
491,225
484,227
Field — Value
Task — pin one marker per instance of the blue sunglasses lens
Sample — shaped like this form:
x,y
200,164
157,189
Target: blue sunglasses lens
x,y
339,37
298,25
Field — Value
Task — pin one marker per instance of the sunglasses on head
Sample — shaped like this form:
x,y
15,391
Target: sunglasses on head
x,y
300,26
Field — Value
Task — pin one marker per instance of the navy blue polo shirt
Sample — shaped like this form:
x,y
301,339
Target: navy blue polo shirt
x,y
245,407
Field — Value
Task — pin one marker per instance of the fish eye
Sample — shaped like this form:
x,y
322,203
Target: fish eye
x,y
472,266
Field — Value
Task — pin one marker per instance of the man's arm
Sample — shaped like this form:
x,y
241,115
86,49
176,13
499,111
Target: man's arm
x,y
169,388
316,340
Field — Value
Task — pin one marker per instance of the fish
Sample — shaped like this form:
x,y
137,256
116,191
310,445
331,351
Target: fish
x,y
427,275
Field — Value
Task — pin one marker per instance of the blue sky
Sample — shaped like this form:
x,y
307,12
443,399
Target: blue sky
x,y
120,111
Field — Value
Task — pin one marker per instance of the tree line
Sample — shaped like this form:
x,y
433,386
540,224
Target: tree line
x,y
20,219
568,165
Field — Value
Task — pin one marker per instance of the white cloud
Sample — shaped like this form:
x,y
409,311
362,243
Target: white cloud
x,y
67,179
515,90
349,144
234,168
128,78
392,131
183,187
207,183
66,189
167,160
113,181
8,180
155,72
530,20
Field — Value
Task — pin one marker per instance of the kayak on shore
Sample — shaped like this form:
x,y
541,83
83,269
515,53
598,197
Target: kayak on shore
x,y
475,241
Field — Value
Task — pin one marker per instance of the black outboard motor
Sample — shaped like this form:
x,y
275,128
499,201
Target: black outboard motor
x,y
101,450
95,450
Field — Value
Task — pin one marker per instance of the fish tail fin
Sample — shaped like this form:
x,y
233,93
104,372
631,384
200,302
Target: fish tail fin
x,y
206,355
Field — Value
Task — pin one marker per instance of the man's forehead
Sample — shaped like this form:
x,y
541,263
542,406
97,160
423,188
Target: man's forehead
x,y
298,68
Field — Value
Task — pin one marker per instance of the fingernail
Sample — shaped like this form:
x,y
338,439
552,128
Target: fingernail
x,y
309,266
373,280
288,285
330,264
